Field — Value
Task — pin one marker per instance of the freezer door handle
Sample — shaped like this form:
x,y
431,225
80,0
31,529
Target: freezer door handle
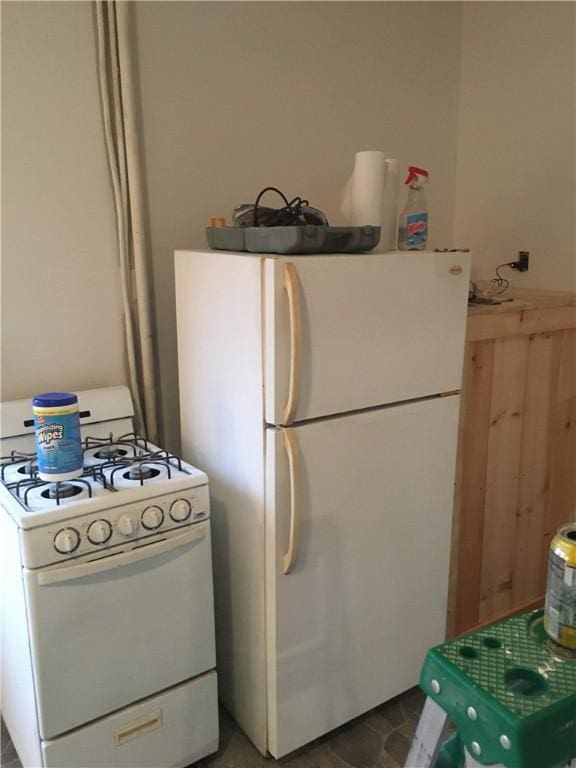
x,y
291,283
293,453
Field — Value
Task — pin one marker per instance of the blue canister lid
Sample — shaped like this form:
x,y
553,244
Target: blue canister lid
x,y
54,399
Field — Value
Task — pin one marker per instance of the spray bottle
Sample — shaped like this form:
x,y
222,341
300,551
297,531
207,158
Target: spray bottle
x,y
413,225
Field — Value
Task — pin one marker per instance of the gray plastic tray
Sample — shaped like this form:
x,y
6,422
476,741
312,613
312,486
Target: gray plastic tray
x,y
306,239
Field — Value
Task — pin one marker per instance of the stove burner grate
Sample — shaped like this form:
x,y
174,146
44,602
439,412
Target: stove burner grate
x,y
109,453
112,449
17,457
145,468
128,457
166,457
30,468
58,491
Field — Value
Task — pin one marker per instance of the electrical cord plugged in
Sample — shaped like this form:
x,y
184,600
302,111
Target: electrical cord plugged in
x,y
499,282
520,265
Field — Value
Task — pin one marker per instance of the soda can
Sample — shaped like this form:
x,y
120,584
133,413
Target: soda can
x,y
560,608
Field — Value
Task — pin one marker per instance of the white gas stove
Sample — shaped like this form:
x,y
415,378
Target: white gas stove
x,y
129,489
109,633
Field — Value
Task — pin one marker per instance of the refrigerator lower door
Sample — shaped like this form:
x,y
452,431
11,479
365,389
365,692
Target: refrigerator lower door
x,y
358,523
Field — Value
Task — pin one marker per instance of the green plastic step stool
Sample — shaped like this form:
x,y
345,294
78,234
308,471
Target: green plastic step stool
x,y
511,694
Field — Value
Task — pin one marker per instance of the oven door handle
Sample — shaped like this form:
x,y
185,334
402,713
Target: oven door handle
x,y
124,557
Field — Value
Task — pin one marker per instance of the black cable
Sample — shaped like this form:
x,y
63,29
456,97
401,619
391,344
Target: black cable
x,y
296,212
290,214
499,281
263,192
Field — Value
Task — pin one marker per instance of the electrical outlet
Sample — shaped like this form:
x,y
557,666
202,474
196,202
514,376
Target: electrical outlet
x,y
521,263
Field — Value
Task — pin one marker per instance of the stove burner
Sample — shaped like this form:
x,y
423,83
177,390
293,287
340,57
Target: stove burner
x,y
61,491
141,472
143,469
111,452
30,468
17,457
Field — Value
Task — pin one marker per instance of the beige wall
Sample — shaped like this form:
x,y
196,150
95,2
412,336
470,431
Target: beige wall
x,y
237,96
517,142
61,318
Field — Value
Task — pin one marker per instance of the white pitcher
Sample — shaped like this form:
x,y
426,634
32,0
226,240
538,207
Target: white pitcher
x,y
370,196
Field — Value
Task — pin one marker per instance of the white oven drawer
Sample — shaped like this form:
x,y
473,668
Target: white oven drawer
x,y
170,730
107,632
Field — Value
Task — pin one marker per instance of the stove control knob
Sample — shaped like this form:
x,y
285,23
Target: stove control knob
x,y
180,510
127,525
99,531
66,541
152,518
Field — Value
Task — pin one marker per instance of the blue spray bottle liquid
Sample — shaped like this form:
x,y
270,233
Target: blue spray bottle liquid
x,y
413,224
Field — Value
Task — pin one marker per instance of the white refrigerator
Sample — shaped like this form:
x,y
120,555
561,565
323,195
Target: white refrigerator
x,y
320,393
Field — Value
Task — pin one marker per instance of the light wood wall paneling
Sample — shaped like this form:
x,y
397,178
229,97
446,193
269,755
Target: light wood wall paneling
x,y
516,471
562,496
503,468
473,453
530,547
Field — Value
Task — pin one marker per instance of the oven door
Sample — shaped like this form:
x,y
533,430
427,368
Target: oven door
x,y
107,632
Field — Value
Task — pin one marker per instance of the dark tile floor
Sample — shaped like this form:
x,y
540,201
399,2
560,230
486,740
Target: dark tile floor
x,y
8,756
379,739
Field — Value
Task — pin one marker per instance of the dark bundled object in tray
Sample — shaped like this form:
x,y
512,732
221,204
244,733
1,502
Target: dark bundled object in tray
x,y
304,239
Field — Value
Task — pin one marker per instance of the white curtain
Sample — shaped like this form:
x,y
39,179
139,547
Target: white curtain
x,y
118,100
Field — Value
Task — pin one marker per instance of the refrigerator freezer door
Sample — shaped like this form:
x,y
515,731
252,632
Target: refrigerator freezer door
x,y
370,496
343,333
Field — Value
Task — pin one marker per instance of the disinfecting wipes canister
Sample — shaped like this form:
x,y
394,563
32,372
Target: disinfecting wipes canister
x,y
57,434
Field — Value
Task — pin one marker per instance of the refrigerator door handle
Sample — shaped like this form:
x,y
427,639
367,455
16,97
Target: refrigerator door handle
x,y
291,283
293,453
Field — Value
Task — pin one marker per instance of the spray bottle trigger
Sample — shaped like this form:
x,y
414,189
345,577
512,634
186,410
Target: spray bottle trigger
x,y
415,174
